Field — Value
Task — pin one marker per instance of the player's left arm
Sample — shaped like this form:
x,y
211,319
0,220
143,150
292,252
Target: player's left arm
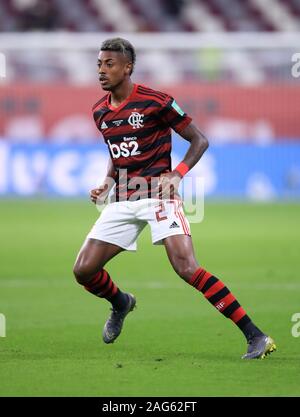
x,y
198,145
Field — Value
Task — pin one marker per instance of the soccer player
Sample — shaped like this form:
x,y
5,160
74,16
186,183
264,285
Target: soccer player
x,y
136,123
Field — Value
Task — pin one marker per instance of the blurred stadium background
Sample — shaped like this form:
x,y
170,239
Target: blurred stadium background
x,y
234,67
228,63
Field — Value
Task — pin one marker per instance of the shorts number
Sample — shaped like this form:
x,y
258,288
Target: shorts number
x,y
161,207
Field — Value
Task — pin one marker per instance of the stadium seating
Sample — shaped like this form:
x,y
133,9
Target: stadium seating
x,y
162,16
34,69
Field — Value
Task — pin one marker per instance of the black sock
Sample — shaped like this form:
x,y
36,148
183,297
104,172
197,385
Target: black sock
x,y
250,330
119,301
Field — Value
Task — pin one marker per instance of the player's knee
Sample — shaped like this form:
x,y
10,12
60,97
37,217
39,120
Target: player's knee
x,y
82,273
184,269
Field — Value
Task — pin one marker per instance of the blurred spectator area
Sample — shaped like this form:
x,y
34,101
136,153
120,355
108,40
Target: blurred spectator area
x,y
154,16
134,17
227,62
248,58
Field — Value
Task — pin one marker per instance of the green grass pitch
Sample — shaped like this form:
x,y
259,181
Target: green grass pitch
x,y
175,343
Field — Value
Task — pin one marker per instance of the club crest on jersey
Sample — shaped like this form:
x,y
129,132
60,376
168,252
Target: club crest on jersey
x,y
136,120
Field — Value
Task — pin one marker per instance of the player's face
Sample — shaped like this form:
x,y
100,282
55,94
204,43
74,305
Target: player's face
x,y
113,69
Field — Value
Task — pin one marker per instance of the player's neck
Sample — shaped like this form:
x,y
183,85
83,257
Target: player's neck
x,y
121,93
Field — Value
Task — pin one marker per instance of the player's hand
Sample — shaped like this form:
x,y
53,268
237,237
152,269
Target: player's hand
x,y
99,195
169,184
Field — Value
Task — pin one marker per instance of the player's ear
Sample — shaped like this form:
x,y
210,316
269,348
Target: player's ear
x,y
128,68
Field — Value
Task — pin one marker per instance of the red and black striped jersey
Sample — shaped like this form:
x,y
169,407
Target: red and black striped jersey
x,y
138,133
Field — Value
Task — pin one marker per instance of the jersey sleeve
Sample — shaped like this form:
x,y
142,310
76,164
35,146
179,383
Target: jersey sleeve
x,y
98,110
171,114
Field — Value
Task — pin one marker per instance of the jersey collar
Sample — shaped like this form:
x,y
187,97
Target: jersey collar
x,y
123,104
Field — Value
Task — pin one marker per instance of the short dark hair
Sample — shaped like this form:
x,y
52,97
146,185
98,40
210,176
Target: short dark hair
x,y
120,45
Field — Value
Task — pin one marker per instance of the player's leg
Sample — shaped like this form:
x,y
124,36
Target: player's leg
x,y
112,233
181,255
89,271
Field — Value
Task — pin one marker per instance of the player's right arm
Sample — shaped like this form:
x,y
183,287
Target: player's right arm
x,y
100,194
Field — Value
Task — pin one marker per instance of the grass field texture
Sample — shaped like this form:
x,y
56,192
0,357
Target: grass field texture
x,y
175,343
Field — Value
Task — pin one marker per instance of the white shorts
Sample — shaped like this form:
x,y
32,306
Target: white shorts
x,y
121,223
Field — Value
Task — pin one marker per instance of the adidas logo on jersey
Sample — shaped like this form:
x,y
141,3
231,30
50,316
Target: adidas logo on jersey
x,y
104,125
173,225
